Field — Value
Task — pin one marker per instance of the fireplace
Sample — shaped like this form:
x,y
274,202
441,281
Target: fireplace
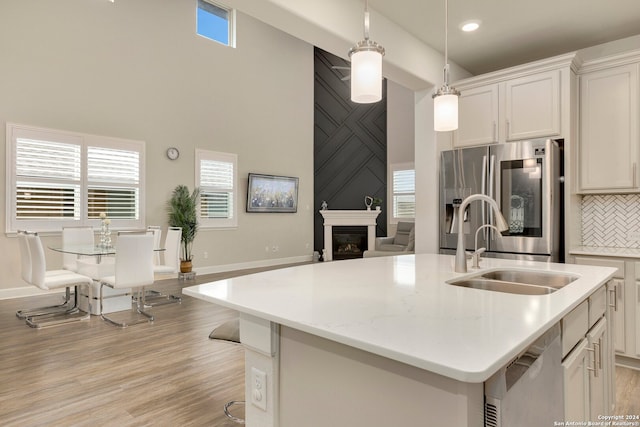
x,y
349,218
349,242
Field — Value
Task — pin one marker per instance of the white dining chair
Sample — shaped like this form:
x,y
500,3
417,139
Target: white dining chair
x,y
171,265
133,269
75,236
50,280
26,267
171,253
157,239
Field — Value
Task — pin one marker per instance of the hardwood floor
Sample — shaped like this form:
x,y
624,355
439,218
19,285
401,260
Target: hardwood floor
x,y
627,392
168,373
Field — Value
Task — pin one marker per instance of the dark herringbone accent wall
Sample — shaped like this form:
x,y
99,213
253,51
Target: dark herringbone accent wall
x,y
350,145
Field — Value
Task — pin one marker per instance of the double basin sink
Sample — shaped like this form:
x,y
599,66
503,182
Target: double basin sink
x,y
523,282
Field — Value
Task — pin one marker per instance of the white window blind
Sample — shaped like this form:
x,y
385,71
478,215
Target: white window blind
x,y
113,182
47,180
404,197
216,178
58,178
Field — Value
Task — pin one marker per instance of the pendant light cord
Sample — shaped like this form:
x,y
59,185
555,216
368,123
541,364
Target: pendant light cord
x,y
366,19
446,42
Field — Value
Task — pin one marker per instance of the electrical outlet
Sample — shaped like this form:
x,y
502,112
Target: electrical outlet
x,y
205,255
633,235
266,248
259,388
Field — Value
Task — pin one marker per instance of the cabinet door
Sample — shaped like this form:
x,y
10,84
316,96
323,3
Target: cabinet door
x,y
608,153
576,383
637,325
619,330
478,117
610,314
532,106
599,370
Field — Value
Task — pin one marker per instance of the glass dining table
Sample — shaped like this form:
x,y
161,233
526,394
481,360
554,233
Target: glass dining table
x,y
95,251
97,261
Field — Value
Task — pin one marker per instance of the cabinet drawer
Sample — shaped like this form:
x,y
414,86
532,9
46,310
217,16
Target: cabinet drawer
x,y
597,305
574,327
603,262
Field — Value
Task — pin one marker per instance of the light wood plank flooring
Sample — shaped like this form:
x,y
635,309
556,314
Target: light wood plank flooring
x,y
168,373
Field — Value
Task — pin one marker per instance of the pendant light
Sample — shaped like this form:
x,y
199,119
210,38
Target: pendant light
x,y
366,67
445,100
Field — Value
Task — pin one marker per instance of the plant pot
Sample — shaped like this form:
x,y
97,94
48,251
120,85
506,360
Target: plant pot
x,y
185,266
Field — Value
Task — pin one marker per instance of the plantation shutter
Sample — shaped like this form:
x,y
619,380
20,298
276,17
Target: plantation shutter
x,y
47,180
404,198
216,189
58,178
216,178
113,182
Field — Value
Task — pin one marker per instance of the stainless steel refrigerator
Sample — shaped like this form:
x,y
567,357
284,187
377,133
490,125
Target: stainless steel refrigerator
x,y
525,180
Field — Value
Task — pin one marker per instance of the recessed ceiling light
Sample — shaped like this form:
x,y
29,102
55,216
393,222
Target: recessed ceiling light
x,y
469,26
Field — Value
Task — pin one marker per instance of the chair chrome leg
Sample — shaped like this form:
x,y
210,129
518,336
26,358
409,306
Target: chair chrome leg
x,y
140,300
52,309
154,298
71,314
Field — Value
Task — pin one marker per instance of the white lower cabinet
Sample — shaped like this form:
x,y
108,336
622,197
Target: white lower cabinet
x,y
576,383
617,298
597,338
588,362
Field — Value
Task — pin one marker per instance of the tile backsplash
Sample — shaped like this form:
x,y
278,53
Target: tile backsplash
x,y
608,219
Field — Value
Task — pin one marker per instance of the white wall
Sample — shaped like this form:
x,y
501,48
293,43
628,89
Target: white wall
x,y
400,136
400,123
137,70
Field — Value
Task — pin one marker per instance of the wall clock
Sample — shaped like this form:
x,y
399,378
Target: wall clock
x,y
173,153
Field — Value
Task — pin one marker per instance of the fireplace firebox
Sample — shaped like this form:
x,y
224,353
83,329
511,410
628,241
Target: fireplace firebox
x,y
349,242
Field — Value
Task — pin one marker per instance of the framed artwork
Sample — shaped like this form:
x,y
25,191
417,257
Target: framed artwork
x,y
271,193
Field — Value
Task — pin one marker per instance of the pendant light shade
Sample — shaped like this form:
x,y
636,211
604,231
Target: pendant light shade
x,y
366,67
445,110
445,100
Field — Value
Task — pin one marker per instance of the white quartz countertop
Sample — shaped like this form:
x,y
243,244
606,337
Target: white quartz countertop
x,y
400,307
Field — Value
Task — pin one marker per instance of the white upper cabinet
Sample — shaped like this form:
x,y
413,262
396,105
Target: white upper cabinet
x,y
532,106
514,109
477,117
608,147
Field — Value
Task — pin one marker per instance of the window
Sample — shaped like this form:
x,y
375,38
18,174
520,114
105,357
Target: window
x,y
216,22
57,178
216,176
403,183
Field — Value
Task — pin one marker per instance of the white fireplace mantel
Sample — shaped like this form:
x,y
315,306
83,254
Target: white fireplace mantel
x,y
348,217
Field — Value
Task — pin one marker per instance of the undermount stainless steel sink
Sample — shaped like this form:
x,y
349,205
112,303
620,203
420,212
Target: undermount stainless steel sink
x,y
550,279
517,282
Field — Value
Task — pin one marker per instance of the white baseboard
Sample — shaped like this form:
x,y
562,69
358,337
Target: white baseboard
x,y
29,291
25,291
252,264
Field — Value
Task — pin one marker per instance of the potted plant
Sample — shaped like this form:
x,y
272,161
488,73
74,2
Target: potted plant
x,y
377,202
183,208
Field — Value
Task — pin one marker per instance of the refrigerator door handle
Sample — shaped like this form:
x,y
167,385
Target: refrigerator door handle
x,y
484,191
491,185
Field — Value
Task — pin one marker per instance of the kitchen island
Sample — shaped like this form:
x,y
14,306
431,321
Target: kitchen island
x,y
383,341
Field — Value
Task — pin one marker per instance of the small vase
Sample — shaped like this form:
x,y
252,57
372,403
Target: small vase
x,y
185,266
105,235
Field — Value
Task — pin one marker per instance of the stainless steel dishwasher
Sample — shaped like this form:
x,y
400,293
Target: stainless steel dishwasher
x,y
528,391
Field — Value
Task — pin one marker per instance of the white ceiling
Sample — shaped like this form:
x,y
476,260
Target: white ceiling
x,y
513,32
